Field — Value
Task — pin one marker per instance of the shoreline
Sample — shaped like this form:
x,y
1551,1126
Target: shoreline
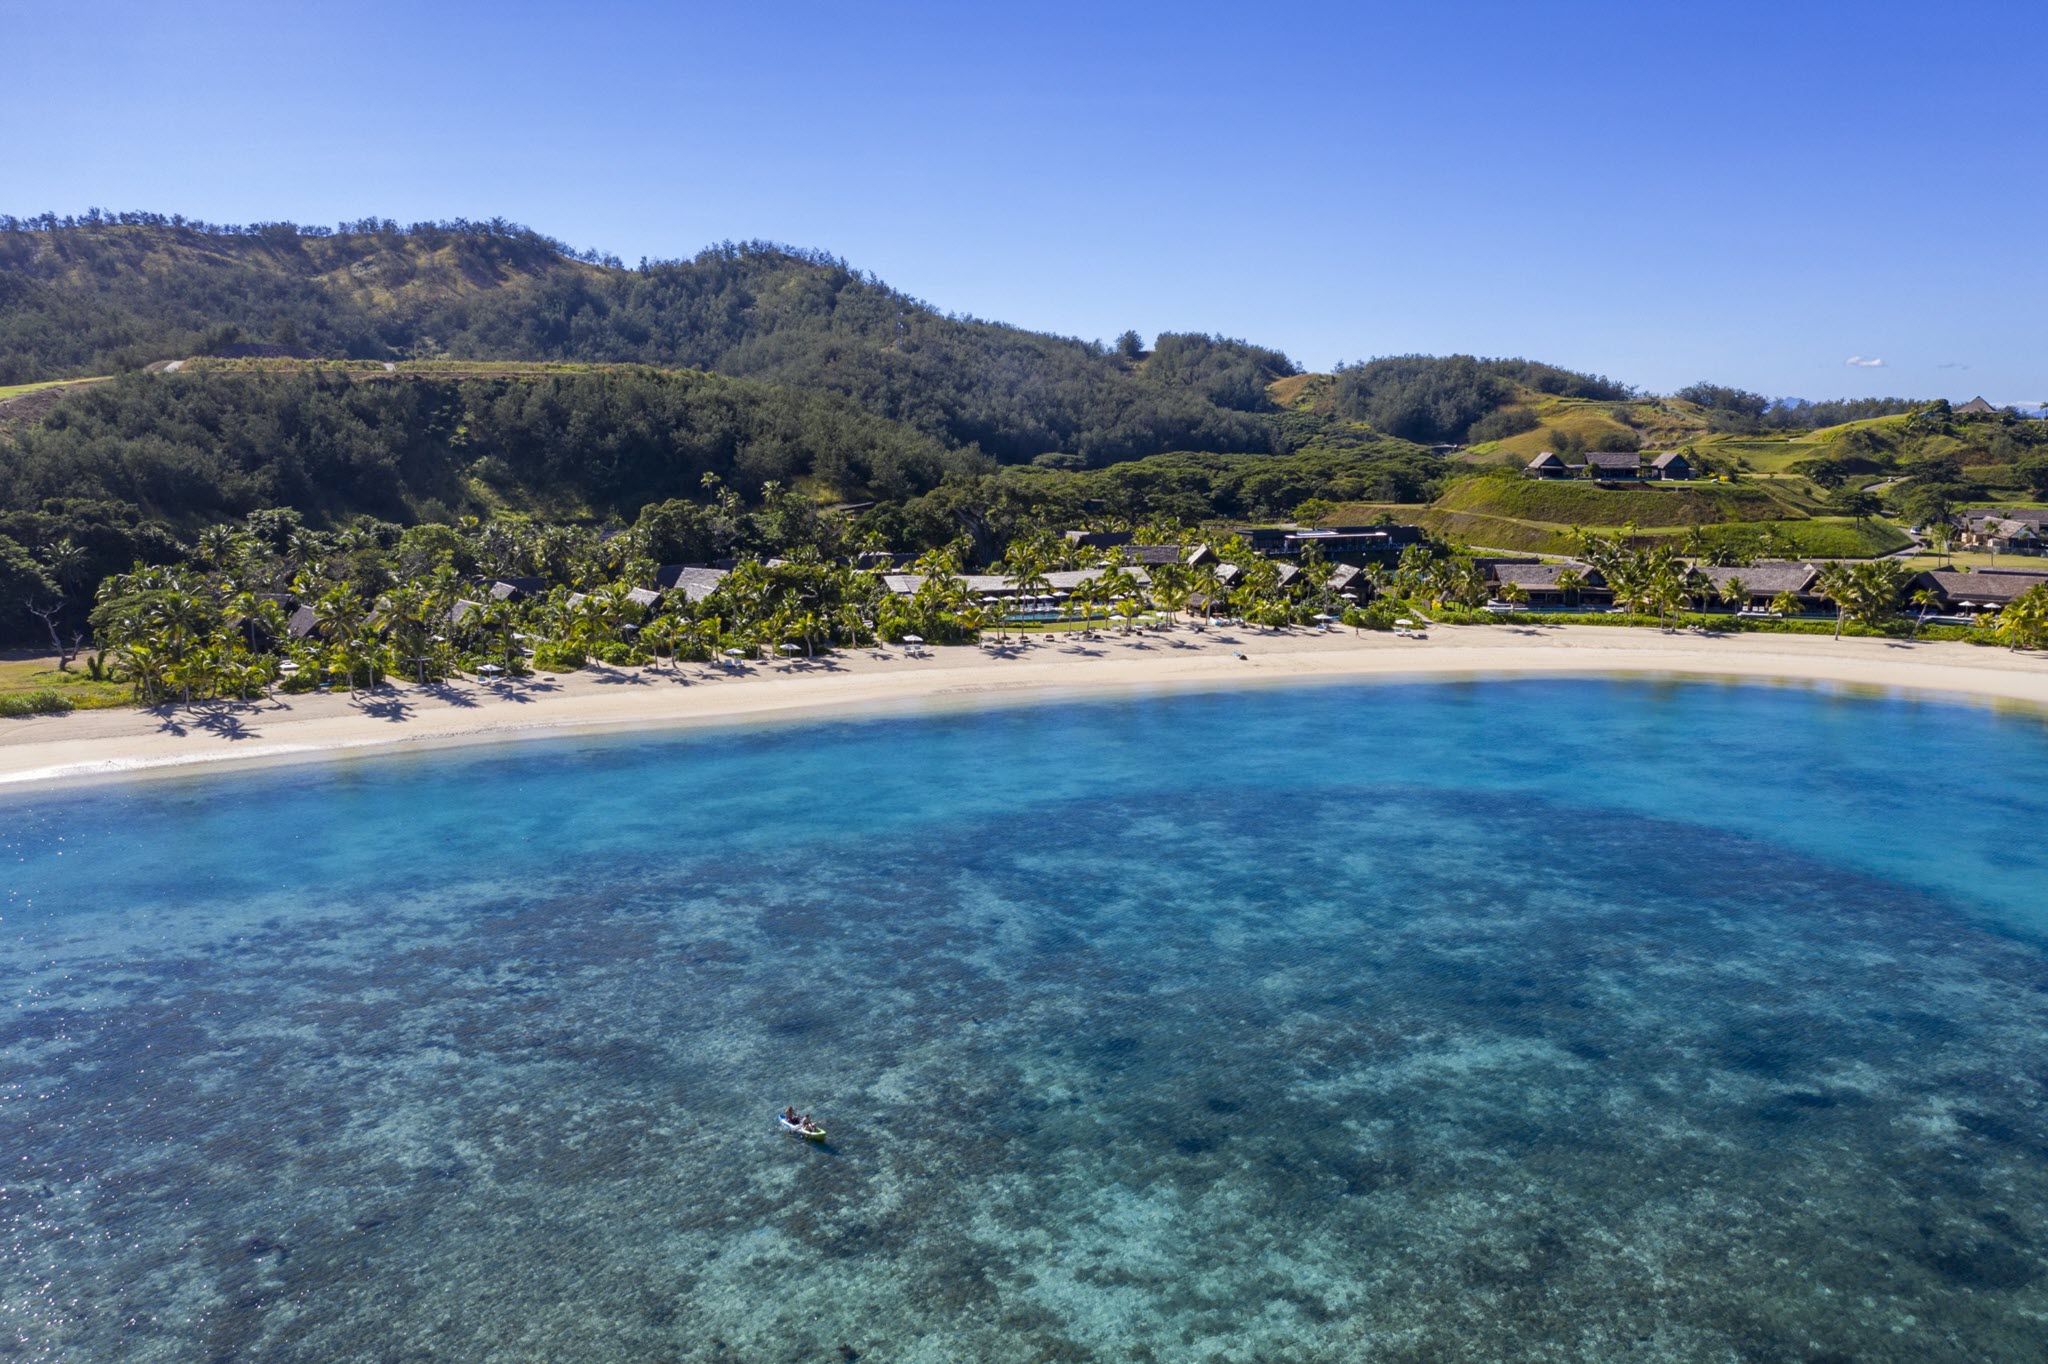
x,y
100,745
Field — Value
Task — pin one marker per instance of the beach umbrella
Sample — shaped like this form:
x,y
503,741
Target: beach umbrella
x,y
913,639
1323,617
791,648
287,666
1404,621
489,670
735,653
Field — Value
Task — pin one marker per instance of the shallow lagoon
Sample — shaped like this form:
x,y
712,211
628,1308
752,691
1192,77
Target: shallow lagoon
x,y
1538,1020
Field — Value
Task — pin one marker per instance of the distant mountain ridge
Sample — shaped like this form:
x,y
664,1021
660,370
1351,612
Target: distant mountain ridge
x,y
108,293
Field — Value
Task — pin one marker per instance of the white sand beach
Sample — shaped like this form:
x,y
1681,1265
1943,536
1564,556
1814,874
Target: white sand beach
x,y
86,745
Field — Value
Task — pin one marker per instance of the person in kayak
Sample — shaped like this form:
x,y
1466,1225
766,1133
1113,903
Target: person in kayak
x,y
789,1115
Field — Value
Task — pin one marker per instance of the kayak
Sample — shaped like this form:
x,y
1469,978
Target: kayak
x,y
812,1133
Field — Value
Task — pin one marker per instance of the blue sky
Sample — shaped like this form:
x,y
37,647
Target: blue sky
x,y
1752,193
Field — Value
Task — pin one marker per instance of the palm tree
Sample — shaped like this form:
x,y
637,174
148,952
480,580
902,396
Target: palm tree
x,y
1026,572
1569,583
1927,599
1171,595
1836,585
2023,623
807,627
659,634
1734,592
1941,535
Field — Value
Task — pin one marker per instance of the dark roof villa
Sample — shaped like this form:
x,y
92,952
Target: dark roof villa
x,y
1541,583
694,582
1984,589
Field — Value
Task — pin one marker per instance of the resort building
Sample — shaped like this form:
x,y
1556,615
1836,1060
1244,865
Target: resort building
x,y
1564,584
1333,543
2005,530
1672,465
1970,592
1133,553
694,581
645,598
1098,539
1613,466
517,589
1062,584
1765,582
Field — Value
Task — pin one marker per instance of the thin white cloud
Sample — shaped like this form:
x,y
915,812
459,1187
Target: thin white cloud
x,y
1951,364
1862,362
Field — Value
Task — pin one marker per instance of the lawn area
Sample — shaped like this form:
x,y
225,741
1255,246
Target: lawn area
x,y
1575,502
1821,537
1971,559
1789,537
1764,454
24,673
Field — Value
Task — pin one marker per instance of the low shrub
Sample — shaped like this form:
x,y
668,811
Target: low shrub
x,y
44,702
619,655
558,658
1377,615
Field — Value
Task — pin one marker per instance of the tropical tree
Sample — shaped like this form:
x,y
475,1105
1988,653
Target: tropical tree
x,y
2023,622
1928,601
1867,593
1570,582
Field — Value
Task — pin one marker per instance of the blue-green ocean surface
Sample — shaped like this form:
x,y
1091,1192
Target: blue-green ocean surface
x,y
1551,1020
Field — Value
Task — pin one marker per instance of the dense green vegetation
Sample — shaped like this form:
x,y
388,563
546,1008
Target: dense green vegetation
x,y
110,293
482,382
1430,398
203,446
1740,411
387,601
128,470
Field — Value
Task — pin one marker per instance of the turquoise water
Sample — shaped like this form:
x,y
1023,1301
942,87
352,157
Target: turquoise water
x,y
1508,1020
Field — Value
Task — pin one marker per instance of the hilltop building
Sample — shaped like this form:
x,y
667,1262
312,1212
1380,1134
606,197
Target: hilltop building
x,y
1613,466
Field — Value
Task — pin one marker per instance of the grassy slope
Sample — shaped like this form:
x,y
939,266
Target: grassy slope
x,y
1576,503
21,674
1527,516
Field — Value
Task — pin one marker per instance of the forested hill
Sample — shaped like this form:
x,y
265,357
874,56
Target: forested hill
x,y
106,294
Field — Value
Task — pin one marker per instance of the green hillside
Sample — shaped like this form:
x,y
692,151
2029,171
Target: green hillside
x,y
223,439
1539,517
106,295
1572,502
